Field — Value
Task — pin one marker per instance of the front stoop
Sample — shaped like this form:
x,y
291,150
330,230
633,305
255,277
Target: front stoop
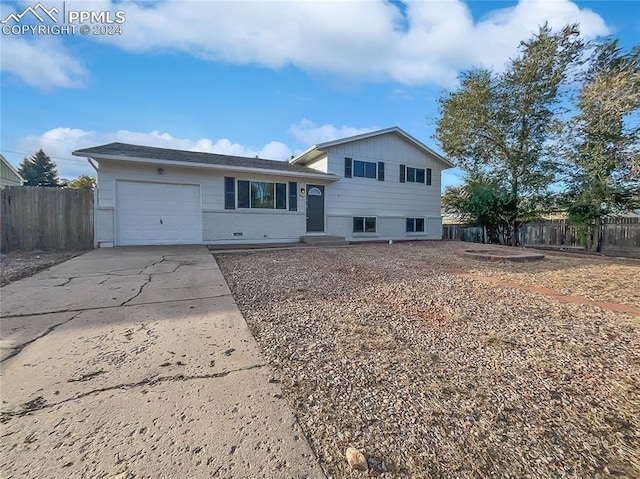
x,y
324,240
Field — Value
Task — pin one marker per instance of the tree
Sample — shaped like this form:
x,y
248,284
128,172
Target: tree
x,y
39,170
499,124
481,202
83,181
601,144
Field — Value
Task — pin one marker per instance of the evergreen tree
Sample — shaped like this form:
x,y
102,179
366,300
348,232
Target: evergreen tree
x,y
39,170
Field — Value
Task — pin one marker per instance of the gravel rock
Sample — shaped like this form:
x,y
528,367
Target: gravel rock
x,y
356,459
383,348
22,264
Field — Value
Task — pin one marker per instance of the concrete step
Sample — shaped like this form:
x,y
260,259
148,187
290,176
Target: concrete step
x,y
324,240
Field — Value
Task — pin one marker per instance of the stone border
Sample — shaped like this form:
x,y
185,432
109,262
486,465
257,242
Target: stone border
x,y
615,307
501,256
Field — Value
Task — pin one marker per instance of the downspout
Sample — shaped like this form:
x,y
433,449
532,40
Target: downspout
x,y
95,167
95,205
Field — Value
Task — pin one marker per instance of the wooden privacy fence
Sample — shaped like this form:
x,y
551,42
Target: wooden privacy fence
x,y
38,218
619,236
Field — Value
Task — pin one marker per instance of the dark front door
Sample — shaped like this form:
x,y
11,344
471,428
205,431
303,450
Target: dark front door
x,y
315,208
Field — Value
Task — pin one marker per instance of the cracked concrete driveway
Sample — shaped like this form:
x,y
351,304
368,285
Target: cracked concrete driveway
x,y
136,363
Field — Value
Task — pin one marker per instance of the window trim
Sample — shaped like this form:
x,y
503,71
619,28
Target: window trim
x,y
364,225
283,189
366,166
408,172
415,224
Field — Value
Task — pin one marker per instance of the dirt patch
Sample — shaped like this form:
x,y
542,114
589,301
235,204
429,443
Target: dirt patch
x,y
384,348
22,264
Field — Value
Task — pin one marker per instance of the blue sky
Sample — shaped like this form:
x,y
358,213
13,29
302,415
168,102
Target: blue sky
x,y
265,78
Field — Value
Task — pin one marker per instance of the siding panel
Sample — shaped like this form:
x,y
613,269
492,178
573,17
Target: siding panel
x,y
390,201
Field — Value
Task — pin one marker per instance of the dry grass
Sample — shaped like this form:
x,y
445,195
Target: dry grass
x,y
432,375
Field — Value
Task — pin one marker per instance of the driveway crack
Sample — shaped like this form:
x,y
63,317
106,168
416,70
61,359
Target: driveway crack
x,y
152,264
65,283
18,349
182,300
139,290
39,403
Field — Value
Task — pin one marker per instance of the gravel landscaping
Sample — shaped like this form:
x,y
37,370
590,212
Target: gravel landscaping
x,y
22,264
386,349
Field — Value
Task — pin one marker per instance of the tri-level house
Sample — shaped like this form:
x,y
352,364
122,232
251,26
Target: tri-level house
x,y
380,185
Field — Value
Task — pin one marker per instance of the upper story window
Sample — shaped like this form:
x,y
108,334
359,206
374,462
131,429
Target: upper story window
x,y
409,174
363,169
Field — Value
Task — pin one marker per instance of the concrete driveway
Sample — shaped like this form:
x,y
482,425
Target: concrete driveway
x,y
136,363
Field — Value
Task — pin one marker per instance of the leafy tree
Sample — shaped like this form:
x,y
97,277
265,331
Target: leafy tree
x,y
83,181
39,170
483,203
499,124
601,142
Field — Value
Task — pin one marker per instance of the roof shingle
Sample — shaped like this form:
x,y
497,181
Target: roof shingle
x,y
137,152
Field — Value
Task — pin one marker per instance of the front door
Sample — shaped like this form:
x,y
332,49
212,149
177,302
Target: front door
x,y
315,208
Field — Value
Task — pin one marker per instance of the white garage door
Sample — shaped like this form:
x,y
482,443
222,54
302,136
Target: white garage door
x,y
157,213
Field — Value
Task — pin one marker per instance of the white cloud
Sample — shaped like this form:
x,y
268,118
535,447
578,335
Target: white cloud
x,y
430,44
309,133
42,62
58,143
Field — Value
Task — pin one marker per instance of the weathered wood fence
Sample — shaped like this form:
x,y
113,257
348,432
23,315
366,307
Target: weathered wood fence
x,y
37,218
619,236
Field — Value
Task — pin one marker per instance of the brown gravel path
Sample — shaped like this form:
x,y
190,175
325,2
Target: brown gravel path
x,y
617,307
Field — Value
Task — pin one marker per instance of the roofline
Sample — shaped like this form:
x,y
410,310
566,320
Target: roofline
x,y
393,129
266,171
11,167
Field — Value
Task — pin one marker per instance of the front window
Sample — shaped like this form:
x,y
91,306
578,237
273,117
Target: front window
x,y
364,224
262,195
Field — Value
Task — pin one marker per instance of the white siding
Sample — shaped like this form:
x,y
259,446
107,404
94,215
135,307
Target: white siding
x,y
250,227
389,200
321,165
104,226
7,176
218,224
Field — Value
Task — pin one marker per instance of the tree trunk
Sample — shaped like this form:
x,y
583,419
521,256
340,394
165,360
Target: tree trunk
x,y
597,236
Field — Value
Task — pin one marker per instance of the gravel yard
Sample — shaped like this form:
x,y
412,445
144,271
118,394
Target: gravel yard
x,y
22,264
385,348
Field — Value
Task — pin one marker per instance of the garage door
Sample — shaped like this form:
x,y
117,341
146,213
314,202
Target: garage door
x,y
157,213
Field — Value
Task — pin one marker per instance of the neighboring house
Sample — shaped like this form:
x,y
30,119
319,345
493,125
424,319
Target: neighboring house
x,y
376,186
9,176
